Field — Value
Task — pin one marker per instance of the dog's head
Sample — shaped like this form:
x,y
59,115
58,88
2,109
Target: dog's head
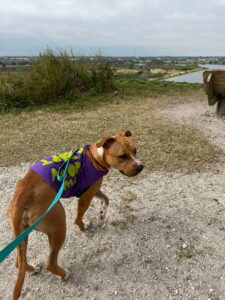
x,y
119,152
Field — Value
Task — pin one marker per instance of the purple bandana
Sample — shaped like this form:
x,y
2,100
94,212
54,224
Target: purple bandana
x,y
80,173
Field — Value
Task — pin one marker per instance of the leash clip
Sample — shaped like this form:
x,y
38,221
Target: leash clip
x,y
60,178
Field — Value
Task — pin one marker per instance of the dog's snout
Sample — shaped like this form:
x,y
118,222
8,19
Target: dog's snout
x,y
140,168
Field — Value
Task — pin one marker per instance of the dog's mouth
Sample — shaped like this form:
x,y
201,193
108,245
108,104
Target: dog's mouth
x,y
128,175
123,173
137,171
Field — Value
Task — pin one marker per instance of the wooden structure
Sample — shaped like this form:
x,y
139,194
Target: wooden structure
x,y
214,84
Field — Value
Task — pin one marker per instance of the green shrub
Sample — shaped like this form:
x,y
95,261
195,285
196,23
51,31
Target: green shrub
x,y
52,77
11,92
55,77
101,75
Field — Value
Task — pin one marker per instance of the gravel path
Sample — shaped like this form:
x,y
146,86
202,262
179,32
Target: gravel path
x,y
198,114
164,237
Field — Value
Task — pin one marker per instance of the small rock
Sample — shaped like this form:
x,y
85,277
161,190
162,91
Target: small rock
x,y
129,196
184,246
176,292
148,260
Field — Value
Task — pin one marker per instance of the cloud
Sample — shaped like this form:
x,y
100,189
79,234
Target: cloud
x,y
152,27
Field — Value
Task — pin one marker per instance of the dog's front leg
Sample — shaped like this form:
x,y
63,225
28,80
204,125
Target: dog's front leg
x,y
104,205
84,202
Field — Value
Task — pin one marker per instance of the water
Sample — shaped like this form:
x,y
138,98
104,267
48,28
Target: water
x,y
195,77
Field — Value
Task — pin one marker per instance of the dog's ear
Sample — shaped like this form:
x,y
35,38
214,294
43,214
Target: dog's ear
x,y
127,133
106,142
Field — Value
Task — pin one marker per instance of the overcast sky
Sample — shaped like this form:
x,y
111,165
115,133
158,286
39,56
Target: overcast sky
x,y
115,27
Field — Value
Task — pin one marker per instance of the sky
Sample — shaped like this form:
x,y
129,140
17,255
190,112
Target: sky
x,y
113,27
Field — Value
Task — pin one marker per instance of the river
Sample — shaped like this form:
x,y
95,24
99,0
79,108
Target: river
x,y
195,77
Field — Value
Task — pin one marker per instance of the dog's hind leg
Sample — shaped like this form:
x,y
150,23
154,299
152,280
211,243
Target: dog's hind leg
x,y
55,243
21,271
30,268
15,215
54,225
21,260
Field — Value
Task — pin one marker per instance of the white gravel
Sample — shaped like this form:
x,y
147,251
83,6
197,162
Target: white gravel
x,y
198,114
164,237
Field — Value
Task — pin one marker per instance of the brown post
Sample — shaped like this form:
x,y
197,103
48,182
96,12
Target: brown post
x,y
214,84
220,108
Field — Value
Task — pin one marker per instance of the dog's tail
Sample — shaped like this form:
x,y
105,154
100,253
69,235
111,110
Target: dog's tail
x,y
15,215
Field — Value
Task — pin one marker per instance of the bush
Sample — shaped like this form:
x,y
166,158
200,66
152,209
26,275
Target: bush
x,y
55,77
11,92
101,75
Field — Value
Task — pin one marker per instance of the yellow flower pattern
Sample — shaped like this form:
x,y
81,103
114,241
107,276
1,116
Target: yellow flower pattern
x,y
72,169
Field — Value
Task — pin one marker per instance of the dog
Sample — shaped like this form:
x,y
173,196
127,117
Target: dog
x,y
36,190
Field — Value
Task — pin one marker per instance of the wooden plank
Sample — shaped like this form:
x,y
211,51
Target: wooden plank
x,y
209,77
208,84
212,99
214,83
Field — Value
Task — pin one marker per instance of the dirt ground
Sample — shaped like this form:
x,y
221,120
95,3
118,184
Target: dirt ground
x,y
164,237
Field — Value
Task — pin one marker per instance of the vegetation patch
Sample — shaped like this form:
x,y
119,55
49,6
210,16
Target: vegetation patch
x,y
61,103
162,146
151,72
54,77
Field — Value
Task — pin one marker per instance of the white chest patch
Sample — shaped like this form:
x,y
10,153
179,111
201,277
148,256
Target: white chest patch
x,y
100,151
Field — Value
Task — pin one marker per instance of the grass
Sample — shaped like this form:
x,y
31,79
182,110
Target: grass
x,y
154,88
123,89
163,146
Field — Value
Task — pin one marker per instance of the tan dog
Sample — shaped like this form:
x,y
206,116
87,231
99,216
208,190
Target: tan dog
x,y
33,195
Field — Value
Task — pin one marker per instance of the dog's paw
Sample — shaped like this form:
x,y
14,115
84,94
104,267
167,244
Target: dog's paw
x,y
63,275
67,275
102,224
85,226
36,268
82,226
88,226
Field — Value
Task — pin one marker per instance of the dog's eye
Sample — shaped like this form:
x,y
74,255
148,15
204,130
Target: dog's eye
x,y
124,156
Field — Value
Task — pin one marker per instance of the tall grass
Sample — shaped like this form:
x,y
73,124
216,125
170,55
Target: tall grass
x,y
102,74
54,77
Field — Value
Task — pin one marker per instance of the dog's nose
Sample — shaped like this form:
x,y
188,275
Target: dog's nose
x,y
140,168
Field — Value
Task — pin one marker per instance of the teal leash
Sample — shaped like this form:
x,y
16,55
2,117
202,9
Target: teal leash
x,y
14,243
